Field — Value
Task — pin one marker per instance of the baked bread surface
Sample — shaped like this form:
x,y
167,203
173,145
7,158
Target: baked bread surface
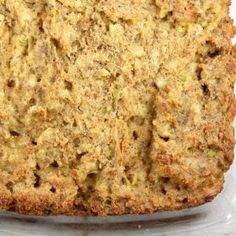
x,y
114,106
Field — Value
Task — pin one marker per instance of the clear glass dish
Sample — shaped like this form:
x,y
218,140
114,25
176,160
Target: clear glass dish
x,y
215,218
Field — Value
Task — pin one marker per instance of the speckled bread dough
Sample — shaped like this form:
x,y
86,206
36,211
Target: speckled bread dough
x,y
114,106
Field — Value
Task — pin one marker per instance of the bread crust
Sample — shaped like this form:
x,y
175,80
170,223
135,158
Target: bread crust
x,y
127,110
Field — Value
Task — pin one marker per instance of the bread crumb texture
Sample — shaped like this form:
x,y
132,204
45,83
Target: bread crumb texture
x,y
114,107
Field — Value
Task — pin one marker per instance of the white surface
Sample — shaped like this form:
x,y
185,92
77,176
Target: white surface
x,y
217,218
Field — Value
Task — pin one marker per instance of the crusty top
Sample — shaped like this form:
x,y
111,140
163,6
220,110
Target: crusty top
x,y
114,106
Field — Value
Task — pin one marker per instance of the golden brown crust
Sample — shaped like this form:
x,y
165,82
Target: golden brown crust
x,y
127,110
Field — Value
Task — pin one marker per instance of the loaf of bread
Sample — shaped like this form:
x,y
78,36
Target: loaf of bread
x,y
114,107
